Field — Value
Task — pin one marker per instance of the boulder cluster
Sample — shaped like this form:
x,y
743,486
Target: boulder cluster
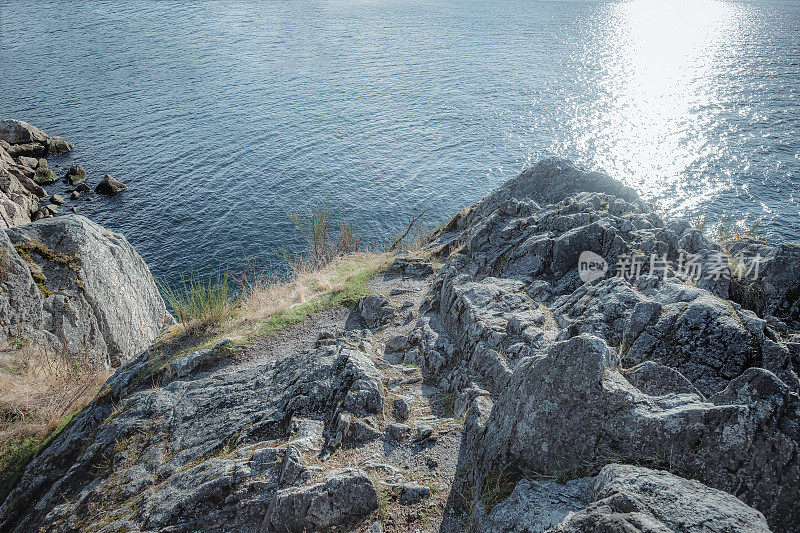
x,y
24,171
657,402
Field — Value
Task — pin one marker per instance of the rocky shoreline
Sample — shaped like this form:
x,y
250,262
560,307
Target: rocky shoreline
x,y
24,171
485,386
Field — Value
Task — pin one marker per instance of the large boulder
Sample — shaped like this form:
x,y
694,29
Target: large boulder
x,y
345,498
572,410
17,202
619,498
769,279
94,294
19,132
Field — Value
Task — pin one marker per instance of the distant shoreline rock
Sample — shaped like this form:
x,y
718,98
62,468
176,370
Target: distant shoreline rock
x,y
109,186
24,171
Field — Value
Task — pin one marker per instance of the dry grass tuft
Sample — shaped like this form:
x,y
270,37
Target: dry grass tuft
x,y
39,390
265,297
200,303
327,235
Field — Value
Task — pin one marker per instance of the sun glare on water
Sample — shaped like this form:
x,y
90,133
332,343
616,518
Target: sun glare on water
x,y
657,93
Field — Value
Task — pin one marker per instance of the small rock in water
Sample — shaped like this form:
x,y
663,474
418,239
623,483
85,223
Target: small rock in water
x,y
43,175
75,174
57,145
75,195
57,199
82,187
109,185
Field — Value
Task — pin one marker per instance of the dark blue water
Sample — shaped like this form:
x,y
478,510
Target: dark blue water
x,y
223,116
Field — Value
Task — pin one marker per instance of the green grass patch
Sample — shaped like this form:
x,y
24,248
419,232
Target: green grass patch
x,y
498,485
350,274
205,300
354,275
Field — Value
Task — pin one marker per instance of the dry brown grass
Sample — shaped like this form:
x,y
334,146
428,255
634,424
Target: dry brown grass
x,y
342,280
39,390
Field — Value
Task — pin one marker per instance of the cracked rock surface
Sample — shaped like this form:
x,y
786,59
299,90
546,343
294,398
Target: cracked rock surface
x,y
483,387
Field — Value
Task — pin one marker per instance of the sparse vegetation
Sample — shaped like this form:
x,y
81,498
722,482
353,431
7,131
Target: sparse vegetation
x,y
700,223
750,293
39,393
328,237
446,404
413,235
4,264
32,247
729,230
498,485
561,476
198,302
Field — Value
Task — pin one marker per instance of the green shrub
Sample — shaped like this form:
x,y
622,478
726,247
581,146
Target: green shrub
x,y
206,301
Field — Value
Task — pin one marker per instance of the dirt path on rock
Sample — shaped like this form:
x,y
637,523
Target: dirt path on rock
x,y
428,462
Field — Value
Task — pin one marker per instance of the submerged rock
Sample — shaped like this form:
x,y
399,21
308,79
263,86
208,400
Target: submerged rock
x,y
75,175
57,145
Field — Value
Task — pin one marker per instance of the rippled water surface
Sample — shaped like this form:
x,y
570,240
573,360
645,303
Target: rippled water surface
x,y
224,116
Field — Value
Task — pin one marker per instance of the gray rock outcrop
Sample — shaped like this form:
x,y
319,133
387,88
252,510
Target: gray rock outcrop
x,y
619,498
203,451
75,287
686,370
653,397
24,169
